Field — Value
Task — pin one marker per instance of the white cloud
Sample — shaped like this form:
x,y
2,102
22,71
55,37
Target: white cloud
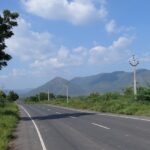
x,y
111,26
29,45
74,11
38,50
47,63
18,72
42,58
121,43
83,56
110,54
63,58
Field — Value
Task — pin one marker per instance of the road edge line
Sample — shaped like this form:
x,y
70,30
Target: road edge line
x,y
37,130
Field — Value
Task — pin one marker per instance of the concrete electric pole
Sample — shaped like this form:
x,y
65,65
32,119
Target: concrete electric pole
x,y
134,62
48,95
67,93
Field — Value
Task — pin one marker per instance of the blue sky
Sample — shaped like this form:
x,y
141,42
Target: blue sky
x,y
70,38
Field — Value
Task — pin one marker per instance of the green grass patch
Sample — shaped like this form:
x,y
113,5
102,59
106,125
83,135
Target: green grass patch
x,y
9,117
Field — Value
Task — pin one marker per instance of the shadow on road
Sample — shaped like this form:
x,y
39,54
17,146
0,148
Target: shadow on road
x,y
56,116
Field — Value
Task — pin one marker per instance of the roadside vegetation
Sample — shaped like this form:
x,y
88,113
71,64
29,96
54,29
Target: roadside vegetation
x,y
121,103
8,109
9,116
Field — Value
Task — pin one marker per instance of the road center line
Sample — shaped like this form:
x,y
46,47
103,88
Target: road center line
x,y
95,124
58,113
73,117
37,130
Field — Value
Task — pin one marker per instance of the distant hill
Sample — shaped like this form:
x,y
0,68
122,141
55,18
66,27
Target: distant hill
x,y
58,86
104,82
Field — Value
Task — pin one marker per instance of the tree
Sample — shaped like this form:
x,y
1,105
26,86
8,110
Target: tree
x,y
128,91
2,98
32,98
43,96
7,22
2,95
12,96
143,94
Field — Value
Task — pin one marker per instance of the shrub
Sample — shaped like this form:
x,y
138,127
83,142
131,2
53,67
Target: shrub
x,y
128,91
143,94
12,96
2,98
62,96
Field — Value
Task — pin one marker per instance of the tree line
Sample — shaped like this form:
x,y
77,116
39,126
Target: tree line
x,y
10,97
143,95
42,96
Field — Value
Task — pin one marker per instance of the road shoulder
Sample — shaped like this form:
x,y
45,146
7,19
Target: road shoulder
x,y
25,135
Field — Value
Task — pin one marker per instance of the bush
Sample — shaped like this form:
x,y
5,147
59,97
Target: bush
x,y
94,97
2,98
44,96
62,97
143,94
128,92
32,99
12,96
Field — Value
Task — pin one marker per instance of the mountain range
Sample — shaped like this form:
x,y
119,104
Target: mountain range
x,y
103,82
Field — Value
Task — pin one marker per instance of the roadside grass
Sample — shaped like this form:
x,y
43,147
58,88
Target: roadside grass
x,y
9,116
112,104
120,103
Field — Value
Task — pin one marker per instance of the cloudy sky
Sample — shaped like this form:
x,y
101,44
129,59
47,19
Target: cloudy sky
x,y
70,38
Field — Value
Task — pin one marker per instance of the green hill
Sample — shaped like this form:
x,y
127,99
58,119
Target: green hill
x,y
104,82
58,86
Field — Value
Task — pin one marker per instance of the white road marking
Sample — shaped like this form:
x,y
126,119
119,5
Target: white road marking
x,y
58,113
37,130
73,117
95,124
49,109
126,117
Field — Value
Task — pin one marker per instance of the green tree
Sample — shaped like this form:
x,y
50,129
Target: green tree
x,y
12,96
7,22
128,91
143,94
51,95
43,96
2,94
2,97
32,99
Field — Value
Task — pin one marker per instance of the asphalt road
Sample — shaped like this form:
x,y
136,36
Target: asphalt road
x,y
53,128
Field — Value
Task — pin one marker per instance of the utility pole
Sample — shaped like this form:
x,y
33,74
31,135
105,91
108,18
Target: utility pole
x,y
134,62
48,95
67,93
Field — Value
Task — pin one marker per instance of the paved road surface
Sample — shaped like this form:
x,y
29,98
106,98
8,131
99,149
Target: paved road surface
x,y
54,128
